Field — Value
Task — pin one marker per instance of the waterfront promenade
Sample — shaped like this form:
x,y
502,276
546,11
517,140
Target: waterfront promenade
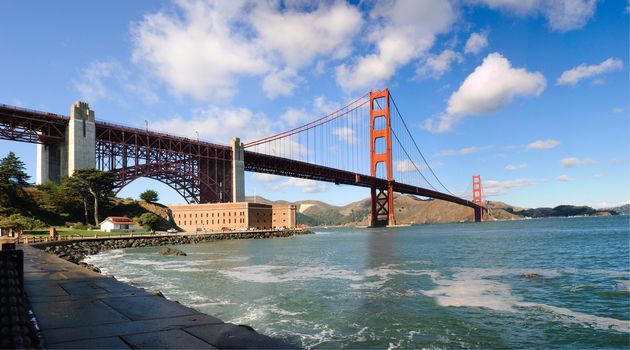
x,y
78,308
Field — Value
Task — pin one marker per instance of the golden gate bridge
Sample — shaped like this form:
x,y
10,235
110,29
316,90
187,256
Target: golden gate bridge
x,y
365,143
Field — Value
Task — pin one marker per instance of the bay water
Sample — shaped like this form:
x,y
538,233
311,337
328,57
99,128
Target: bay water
x,y
548,283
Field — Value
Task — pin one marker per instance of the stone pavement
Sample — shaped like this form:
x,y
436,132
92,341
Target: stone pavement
x,y
78,308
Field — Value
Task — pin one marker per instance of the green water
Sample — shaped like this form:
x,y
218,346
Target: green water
x,y
553,283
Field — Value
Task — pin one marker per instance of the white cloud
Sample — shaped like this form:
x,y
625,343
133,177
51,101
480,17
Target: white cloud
x,y
572,76
202,48
572,162
345,134
496,188
543,144
563,178
280,83
94,81
400,31
562,15
279,183
218,125
294,116
618,109
435,66
461,152
493,85
512,167
606,205
406,166
476,42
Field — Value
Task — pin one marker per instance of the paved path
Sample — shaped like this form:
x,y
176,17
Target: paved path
x,y
78,308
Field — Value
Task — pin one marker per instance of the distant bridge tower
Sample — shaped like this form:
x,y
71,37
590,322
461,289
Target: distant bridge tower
x,y
477,196
382,199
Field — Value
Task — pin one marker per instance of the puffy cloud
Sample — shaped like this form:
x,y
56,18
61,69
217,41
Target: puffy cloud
x,y
572,76
563,178
294,116
493,85
435,66
406,166
345,134
280,183
495,188
280,83
562,15
218,125
298,35
403,30
512,167
543,144
202,48
572,162
476,42
95,79
461,152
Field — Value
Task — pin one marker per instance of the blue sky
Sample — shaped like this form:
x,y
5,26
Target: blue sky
x,y
533,95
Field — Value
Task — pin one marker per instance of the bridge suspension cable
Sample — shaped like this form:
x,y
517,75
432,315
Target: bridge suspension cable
x,y
418,149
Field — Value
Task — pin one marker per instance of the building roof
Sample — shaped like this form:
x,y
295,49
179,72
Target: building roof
x,y
120,220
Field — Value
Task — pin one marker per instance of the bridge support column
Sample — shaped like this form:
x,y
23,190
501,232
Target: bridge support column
x,y
51,161
80,139
56,160
382,206
477,197
478,214
238,171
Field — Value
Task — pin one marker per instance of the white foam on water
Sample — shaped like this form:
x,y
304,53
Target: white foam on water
x,y
384,274
471,289
280,274
570,316
623,285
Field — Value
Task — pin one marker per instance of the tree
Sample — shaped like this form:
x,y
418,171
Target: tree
x,y
149,221
91,182
21,222
12,171
149,196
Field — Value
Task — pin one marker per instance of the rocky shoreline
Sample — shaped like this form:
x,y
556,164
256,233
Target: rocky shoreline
x,y
76,250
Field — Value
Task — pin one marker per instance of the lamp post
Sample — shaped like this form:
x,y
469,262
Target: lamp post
x,y
197,132
146,124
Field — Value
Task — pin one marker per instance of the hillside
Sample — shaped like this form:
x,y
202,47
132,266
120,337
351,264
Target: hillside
x,y
409,210
413,210
46,209
622,210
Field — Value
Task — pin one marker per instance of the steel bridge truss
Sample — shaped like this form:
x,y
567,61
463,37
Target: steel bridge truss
x,y
199,171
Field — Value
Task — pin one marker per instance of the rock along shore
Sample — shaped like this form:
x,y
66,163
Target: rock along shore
x,y
76,250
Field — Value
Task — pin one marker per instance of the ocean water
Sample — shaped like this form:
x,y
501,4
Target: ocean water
x,y
552,283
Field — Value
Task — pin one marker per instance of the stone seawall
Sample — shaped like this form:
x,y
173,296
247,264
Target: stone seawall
x,y
76,250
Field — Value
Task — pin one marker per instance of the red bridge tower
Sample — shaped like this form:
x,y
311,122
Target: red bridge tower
x,y
382,199
477,197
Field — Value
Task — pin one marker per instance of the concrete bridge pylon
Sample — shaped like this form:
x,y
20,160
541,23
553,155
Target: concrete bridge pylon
x,y
78,151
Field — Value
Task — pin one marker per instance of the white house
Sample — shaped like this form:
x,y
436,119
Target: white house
x,y
118,224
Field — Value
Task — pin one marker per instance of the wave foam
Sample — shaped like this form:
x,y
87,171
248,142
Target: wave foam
x,y
570,316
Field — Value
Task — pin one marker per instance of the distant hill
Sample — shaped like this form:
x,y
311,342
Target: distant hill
x,y
622,210
409,210
413,210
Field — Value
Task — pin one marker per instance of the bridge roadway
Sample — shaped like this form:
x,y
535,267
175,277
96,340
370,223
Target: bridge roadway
x,y
32,126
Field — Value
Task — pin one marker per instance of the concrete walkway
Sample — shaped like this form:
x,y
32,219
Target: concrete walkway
x,y
78,308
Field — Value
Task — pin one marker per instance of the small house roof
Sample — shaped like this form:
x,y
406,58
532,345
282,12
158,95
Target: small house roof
x,y
121,220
